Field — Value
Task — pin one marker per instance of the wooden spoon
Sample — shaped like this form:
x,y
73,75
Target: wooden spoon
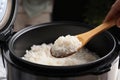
x,y
85,37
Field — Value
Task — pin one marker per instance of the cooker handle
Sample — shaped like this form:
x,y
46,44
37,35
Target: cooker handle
x,y
5,37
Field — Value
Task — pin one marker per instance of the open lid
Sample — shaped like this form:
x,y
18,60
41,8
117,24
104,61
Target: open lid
x,y
7,17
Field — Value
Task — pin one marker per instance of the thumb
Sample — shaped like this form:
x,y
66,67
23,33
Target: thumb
x,y
118,23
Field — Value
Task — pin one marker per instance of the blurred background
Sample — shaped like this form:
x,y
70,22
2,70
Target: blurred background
x,y
31,12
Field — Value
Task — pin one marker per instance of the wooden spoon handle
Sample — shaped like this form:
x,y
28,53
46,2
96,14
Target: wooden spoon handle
x,y
88,35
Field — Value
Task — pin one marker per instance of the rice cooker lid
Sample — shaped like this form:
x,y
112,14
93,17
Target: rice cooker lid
x,y
7,15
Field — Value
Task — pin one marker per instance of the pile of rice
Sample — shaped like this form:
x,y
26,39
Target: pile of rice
x,y
40,54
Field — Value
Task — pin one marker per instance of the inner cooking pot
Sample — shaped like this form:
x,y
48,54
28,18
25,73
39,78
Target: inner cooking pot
x,y
104,45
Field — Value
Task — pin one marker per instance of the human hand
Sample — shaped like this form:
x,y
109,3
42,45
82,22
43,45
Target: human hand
x,y
114,13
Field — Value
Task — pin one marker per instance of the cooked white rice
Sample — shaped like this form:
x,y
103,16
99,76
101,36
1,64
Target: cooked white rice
x,y
65,45
40,54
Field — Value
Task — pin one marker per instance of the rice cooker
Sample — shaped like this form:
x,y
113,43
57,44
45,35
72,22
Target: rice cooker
x,y
13,47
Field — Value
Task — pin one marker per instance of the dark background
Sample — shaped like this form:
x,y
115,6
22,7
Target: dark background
x,y
89,11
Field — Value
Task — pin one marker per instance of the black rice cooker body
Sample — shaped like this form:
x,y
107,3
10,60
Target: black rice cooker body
x,y
104,44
